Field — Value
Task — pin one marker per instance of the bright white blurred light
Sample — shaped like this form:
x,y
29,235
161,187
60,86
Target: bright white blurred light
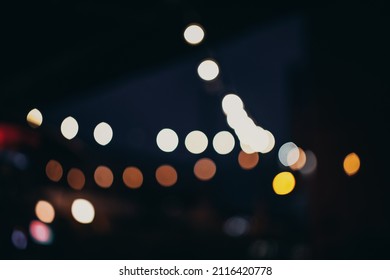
x,y
253,136
271,142
196,142
167,140
223,142
310,164
288,154
69,128
238,118
232,103
246,148
83,211
208,70
194,34
34,118
236,226
103,133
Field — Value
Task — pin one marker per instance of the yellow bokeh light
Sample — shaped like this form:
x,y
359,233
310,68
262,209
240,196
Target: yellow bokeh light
x,y
223,142
196,142
208,70
76,179
167,140
103,177
54,170
205,169
132,177
69,128
83,211
248,161
300,163
194,34
166,175
103,133
283,183
351,164
44,211
34,118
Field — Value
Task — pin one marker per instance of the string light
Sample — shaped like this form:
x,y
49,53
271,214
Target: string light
x,y
194,34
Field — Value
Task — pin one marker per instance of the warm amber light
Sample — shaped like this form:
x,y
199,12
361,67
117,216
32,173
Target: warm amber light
x,y
132,177
205,169
248,161
44,211
54,170
283,183
76,179
351,164
300,163
104,177
34,118
166,175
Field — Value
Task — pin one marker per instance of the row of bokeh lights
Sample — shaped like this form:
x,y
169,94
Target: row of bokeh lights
x,y
253,140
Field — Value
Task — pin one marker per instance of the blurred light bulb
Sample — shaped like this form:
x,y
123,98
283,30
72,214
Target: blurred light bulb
x,y
208,70
83,211
223,142
44,211
194,34
283,183
167,140
34,118
69,128
103,133
196,142
288,154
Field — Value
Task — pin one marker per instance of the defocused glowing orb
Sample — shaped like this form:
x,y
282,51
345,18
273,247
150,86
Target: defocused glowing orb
x,y
237,119
205,169
208,70
236,226
54,170
271,142
132,177
103,133
196,142
283,183
351,164
288,154
300,162
310,164
34,118
223,142
166,175
83,211
103,176
248,161
167,140
19,239
41,233
194,34
76,179
232,103
69,128
44,211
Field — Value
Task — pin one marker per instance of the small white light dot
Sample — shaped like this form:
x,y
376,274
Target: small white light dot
x,y
83,211
288,154
167,140
69,128
223,142
103,133
194,34
196,142
208,70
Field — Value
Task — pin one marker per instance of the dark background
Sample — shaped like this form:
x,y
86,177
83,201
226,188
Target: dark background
x,y
56,51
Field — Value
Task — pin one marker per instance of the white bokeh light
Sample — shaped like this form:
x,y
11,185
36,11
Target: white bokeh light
x,y
103,133
69,128
83,211
223,142
288,154
208,70
232,103
271,142
196,142
34,118
194,34
167,140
